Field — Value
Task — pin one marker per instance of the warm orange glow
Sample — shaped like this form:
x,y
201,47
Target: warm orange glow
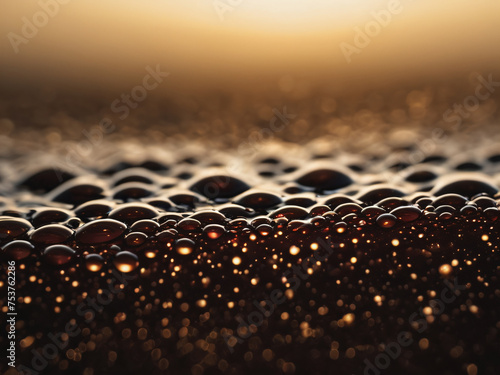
x,y
281,39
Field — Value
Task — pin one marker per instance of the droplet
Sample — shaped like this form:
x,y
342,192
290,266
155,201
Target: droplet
x,y
376,193
188,225
184,246
219,186
135,238
386,220
78,191
51,234
347,208
49,216
392,203
46,180
133,175
265,229
421,176
258,200
132,191
94,262
303,201
455,200
290,212
94,209
58,255
325,179
125,261
12,227
214,231
18,249
208,217
467,184
146,226
407,213
100,231
131,212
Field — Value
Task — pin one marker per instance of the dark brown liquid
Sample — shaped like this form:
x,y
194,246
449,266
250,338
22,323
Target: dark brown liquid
x,y
351,252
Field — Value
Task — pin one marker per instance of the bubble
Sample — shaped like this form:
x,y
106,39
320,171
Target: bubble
x,y
290,212
94,262
125,261
347,208
145,226
11,228
18,249
135,238
132,191
49,216
133,175
420,176
188,225
376,193
185,199
325,179
386,220
392,203
336,200
58,255
45,180
407,214
468,184
131,212
265,229
184,246
96,209
455,200
99,231
209,217
51,234
77,191
303,201
219,186
258,200
233,211
214,231
372,211
484,202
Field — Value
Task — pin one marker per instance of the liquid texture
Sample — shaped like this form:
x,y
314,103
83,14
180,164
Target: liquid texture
x,y
303,261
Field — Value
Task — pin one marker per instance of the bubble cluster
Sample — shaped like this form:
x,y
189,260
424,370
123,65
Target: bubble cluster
x,y
165,270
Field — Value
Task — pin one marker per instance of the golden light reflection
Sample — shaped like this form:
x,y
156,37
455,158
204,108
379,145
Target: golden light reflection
x,y
298,41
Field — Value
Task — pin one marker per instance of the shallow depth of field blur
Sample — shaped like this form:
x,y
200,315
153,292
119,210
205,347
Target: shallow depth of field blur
x,y
231,63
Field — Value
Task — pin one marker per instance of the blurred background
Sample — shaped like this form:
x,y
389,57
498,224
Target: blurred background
x,y
231,62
